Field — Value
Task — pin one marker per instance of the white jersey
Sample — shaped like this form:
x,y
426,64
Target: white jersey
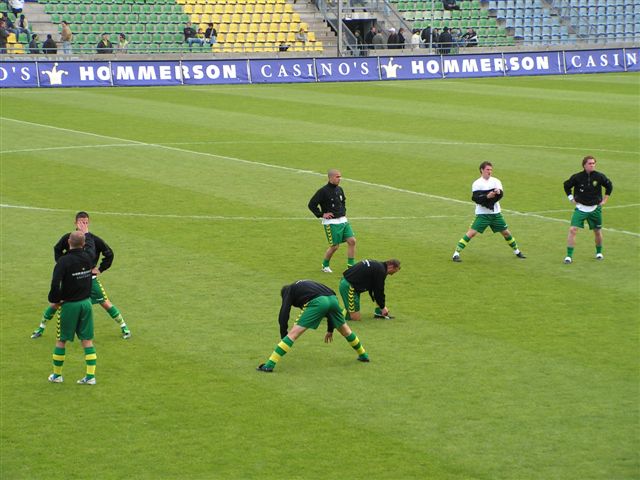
x,y
490,184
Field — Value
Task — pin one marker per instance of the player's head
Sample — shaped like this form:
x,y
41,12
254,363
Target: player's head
x,y
589,163
486,168
82,221
334,176
393,266
76,239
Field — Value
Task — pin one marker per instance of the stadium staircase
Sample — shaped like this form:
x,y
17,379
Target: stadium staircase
x,y
244,26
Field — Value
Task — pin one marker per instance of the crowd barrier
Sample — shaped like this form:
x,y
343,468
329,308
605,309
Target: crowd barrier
x,y
15,74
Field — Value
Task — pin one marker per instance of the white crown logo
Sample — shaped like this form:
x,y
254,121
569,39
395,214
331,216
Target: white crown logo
x,y
55,75
391,69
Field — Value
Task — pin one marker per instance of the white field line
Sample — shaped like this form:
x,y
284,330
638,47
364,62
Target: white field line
x,y
294,170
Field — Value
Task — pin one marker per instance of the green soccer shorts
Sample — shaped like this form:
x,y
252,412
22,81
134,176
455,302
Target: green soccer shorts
x,y
318,308
338,233
350,297
98,294
75,318
593,219
493,220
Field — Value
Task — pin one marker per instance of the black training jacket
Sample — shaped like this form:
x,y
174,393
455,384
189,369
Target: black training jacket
x,y
93,245
330,198
587,187
369,276
71,280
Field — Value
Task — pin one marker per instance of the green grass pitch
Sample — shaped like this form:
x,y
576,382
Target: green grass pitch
x,y
495,368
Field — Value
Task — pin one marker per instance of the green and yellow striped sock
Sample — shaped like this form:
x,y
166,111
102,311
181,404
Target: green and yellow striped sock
x,y
280,351
462,243
351,262
58,360
47,315
90,358
512,242
354,341
116,315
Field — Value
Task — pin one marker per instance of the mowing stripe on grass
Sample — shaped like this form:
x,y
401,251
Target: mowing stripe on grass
x,y
296,170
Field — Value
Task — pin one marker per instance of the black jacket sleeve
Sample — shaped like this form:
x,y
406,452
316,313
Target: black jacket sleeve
x,y
285,311
377,290
55,293
106,252
480,197
608,186
60,248
314,204
568,185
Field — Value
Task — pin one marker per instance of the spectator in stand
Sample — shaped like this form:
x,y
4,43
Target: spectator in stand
x,y
301,36
8,24
445,41
368,38
450,5
415,39
66,37
22,25
470,38
49,47
435,39
211,34
34,46
392,40
104,46
4,35
191,37
401,39
360,48
455,38
283,47
425,36
123,43
378,41
16,7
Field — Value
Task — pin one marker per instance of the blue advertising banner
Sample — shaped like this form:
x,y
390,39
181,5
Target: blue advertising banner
x,y
410,68
215,72
283,71
631,59
529,64
484,65
594,61
74,74
18,74
347,69
129,74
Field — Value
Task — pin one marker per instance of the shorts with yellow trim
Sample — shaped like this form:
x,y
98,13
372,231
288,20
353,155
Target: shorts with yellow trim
x,y
98,294
317,309
493,220
593,219
75,318
337,233
350,297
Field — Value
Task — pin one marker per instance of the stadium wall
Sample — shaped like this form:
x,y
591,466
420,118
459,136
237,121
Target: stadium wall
x,y
48,74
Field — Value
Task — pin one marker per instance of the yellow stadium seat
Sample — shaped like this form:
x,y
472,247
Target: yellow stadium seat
x,y
215,48
195,18
270,8
221,37
246,18
271,37
259,8
215,18
295,17
297,48
191,2
279,8
241,37
231,38
229,8
219,9
311,36
284,27
233,28
254,27
294,27
250,38
288,8
248,8
264,27
227,48
261,37
317,46
223,28
241,2
205,18
276,17
274,27
198,8
304,26
286,18
244,27
226,18
291,37
236,18
281,37
188,9
181,2
208,8
266,18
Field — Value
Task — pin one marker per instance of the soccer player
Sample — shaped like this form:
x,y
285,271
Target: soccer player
x,y
71,289
486,193
329,203
95,247
367,276
317,301
584,190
